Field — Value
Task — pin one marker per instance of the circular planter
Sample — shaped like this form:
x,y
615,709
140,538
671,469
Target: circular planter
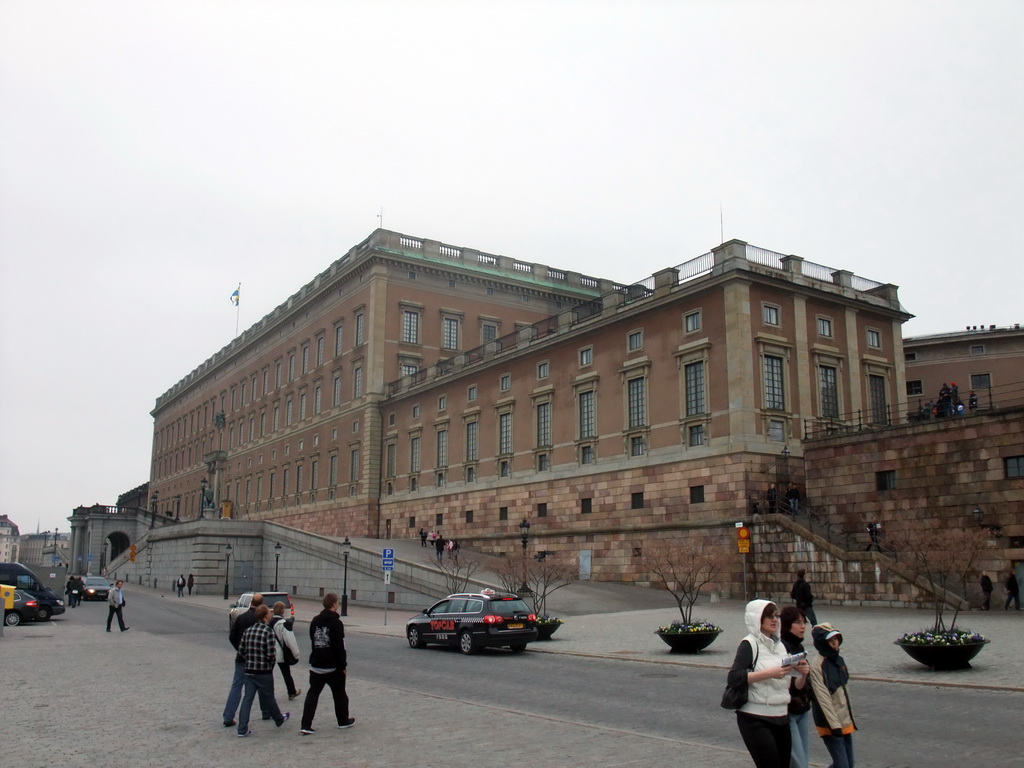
x,y
940,657
546,630
689,642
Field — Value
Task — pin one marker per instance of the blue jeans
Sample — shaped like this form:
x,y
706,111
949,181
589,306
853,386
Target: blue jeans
x,y
840,748
798,733
235,694
264,686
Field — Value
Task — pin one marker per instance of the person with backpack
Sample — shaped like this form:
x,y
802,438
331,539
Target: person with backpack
x,y
763,719
180,584
287,648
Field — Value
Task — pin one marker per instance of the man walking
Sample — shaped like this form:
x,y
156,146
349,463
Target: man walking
x,y
801,594
986,591
241,624
327,665
115,599
259,654
180,584
1012,590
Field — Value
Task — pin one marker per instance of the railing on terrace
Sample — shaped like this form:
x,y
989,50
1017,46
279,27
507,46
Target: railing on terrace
x,y
849,423
701,265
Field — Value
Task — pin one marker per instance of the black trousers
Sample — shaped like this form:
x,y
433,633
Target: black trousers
x,y
336,681
286,673
767,739
120,618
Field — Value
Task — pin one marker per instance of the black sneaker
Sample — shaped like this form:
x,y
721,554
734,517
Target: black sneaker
x,y
229,723
284,717
348,723
307,731
243,735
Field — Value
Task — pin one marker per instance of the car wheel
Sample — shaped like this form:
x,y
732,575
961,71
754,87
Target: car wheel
x,y
466,643
415,641
12,619
518,647
44,613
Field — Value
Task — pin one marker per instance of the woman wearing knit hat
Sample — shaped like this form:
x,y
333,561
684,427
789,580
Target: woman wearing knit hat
x,y
830,701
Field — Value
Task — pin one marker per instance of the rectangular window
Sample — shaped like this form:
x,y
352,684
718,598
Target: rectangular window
x,y
266,380
636,446
451,333
505,382
332,471
353,467
360,329
414,454
442,448
409,369
543,462
302,407
692,321
504,433
390,460
469,517
825,327
587,454
1014,466
504,468
586,408
336,387
277,417
410,327
696,494
291,367
314,465
503,513
298,478
320,351
338,340
288,412
284,482
774,393
981,380
277,374
472,450
635,341
586,356
829,391
874,339
885,480
543,425
442,402
879,402
305,359
542,509
777,431
909,357
636,500
488,332
770,314
270,489
977,349
470,474
693,375
915,387
586,506
357,382
543,370
471,393
696,435
636,390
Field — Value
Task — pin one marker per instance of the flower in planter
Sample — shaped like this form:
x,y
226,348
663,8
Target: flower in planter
x,y
942,637
679,628
548,620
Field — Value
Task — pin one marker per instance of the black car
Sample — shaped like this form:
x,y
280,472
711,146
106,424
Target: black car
x,y
96,588
26,608
474,620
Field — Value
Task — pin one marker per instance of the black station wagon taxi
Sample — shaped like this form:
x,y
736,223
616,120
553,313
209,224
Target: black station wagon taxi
x,y
474,620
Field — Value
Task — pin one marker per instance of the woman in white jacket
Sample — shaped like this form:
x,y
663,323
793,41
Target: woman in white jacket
x,y
285,638
764,720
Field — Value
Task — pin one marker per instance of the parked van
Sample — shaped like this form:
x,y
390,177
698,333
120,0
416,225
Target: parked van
x,y
22,579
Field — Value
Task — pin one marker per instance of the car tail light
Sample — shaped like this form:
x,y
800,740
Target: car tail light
x,y
532,617
493,620
31,603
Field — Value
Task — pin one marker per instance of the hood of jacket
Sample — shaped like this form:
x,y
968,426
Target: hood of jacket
x,y
752,616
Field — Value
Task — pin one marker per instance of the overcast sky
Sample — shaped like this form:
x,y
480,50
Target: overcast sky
x,y
154,155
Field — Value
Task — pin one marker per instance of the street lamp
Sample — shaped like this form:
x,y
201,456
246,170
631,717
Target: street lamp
x,y
346,547
202,496
524,532
277,561
227,566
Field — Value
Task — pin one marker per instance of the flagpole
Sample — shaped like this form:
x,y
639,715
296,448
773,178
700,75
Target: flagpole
x,y
238,307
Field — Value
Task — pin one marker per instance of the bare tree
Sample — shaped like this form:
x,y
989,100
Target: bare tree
x,y
946,557
547,574
684,567
509,572
457,569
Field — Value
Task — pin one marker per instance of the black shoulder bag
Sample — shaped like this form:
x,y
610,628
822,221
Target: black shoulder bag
x,y
735,697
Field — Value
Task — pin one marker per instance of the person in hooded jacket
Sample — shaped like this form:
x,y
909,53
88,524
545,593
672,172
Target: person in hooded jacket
x,y
763,721
830,701
284,637
793,622
328,663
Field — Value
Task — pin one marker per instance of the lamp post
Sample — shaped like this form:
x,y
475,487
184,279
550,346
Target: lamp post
x,y
227,566
524,532
346,547
277,562
202,496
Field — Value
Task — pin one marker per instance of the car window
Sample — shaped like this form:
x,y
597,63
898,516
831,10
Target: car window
x,y
474,606
508,607
441,607
275,600
244,601
456,606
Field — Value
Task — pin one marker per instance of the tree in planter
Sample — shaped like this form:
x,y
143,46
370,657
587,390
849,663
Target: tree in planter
x,y
457,570
946,557
684,567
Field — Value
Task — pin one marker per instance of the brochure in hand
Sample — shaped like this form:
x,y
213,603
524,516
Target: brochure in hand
x,y
792,660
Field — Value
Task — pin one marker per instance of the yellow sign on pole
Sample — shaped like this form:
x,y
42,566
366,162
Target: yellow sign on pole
x,y
744,545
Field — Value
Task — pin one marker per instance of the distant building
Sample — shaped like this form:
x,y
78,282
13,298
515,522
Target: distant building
x,y
9,540
41,548
986,360
417,384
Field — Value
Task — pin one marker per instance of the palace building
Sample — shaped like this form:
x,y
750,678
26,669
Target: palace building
x,y
418,384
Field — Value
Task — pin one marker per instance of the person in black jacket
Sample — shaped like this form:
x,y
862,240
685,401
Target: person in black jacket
x,y
801,594
793,626
241,624
986,591
328,662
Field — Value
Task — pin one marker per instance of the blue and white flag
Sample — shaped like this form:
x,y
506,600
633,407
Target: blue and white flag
x,y
234,296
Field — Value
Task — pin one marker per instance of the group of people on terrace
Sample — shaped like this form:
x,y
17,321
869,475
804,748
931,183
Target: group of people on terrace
x,y
947,404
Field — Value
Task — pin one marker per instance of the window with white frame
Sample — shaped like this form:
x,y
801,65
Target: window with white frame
x,y
981,380
825,327
353,467
288,412
442,448
543,424
505,433
488,332
471,393
332,470
691,321
636,395
636,445
586,414
695,434
305,358
587,454
472,441
442,402
302,406
874,338
414,453
339,338
770,314
505,382
635,341
543,370
317,401
586,356
357,382
360,329
409,369
319,350
336,389
410,326
451,333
